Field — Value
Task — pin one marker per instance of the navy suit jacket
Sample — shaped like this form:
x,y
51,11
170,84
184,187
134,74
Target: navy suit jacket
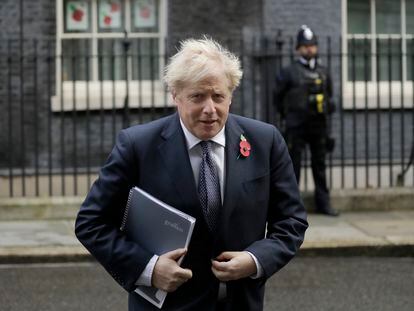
x,y
262,211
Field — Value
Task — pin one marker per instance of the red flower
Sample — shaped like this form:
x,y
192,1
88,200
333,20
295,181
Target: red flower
x,y
107,20
244,147
145,12
77,15
114,7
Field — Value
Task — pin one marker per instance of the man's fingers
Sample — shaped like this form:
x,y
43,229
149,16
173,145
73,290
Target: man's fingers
x,y
223,276
223,261
221,265
175,254
178,278
233,266
167,274
185,274
225,256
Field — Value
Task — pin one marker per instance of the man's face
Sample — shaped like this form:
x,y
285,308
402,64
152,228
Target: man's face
x,y
308,51
204,106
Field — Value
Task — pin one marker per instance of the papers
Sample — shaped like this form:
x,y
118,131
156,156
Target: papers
x,y
157,227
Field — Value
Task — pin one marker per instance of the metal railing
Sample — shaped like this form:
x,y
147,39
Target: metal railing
x,y
60,113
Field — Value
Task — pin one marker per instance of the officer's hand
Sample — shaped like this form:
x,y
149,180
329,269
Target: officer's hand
x,y
167,274
230,266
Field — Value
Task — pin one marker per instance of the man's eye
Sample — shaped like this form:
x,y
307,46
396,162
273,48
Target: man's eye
x,y
218,97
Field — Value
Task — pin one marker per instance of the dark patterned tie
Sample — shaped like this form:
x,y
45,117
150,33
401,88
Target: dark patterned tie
x,y
209,187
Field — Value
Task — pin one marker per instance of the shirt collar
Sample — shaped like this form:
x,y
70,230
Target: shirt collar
x,y
192,140
311,63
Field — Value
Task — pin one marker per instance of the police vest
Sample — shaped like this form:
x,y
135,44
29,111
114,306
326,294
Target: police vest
x,y
308,91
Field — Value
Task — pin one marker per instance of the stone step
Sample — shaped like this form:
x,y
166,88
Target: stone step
x,y
343,200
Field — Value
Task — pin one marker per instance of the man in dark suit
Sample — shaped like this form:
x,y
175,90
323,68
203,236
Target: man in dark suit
x,y
233,174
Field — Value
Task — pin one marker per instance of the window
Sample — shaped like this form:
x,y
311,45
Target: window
x,y
105,49
379,45
376,27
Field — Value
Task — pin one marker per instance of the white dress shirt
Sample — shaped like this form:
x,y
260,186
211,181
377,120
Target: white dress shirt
x,y
195,154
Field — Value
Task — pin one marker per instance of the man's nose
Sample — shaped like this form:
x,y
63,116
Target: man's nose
x,y
209,106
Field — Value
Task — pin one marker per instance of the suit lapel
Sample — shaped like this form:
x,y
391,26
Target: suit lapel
x,y
235,170
174,153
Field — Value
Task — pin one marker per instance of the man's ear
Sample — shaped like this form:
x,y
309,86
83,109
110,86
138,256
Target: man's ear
x,y
174,96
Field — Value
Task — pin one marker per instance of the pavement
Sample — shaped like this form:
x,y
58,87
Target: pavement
x,y
373,233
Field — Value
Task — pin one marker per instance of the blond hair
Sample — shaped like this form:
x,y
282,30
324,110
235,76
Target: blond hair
x,y
198,59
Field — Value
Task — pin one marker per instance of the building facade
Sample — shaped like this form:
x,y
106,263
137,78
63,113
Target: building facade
x,y
74,72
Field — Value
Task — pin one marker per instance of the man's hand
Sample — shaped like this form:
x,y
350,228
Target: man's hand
x,y
230,266
167,274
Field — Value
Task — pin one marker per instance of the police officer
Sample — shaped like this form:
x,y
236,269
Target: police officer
x,y
303,98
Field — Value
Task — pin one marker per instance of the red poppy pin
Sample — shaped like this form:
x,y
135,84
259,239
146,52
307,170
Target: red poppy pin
x,y
244,147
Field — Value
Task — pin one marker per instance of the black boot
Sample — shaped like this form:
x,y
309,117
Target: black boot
x,y
328,211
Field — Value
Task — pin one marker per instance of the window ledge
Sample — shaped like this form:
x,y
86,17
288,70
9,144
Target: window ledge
x,y
108,95
378,95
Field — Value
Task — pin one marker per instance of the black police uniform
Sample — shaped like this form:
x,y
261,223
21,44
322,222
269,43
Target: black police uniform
x,y
303,98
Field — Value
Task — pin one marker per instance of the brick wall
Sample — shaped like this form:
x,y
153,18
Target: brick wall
x,y
23,86
38,19
323,16
228,19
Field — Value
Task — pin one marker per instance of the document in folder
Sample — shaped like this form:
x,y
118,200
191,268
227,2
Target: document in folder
x,y
157,227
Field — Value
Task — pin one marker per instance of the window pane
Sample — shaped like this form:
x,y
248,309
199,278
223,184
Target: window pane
x,y
359,16
145,59
410,59
145,15
110,16
389,52
359,60
75,58
77,15
409,9
111,59
388,16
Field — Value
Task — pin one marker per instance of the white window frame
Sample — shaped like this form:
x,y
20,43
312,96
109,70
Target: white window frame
x,y
401,92
95,94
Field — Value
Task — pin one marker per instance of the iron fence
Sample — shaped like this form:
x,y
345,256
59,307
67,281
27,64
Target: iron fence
x,y
60,112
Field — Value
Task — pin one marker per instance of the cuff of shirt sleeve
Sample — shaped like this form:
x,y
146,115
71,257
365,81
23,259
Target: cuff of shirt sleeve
x,y
145,278
259,267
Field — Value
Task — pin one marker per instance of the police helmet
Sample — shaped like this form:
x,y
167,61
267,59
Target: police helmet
x,y
306,37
